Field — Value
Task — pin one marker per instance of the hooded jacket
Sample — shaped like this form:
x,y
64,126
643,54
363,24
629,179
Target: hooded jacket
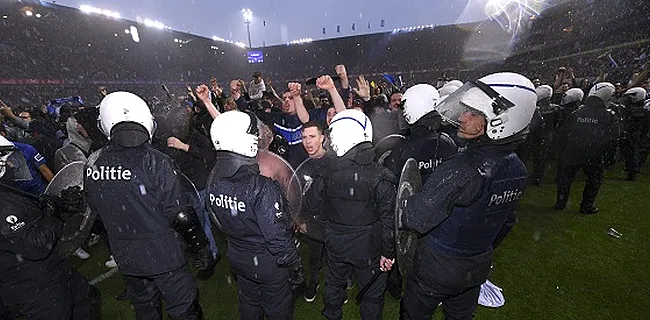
x,y
77,148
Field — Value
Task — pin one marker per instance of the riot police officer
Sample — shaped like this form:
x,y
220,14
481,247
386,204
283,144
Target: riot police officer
x,y
467,205
636,124
356,197
138,194
423,142
571,101
542,139
589,143
250,209
35,281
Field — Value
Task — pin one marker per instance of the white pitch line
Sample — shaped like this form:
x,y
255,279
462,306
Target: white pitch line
x,y
104,276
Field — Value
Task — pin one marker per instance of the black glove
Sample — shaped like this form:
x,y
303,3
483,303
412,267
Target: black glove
x,y
292,261
203,259
51,205
296,275
73,200
279,145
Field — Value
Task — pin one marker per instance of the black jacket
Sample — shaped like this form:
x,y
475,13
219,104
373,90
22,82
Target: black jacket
x,y
356,197
428,148
198,161
591,131
251,211
138,194
464,211
27,241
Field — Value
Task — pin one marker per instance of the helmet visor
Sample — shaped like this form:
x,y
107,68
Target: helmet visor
x,y
475,97
13,166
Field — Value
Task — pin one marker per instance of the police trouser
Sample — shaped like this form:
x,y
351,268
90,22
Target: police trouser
x,y
316,259
643,156
63,294
394,283
541,153
177,288
4,312
339,271
419,303
270,297
631,151
594,169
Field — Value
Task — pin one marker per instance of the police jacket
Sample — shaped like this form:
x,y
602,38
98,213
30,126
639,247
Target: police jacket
x,y
591,131
26,241
356,197
463,211
138,194
428,148
636,122
251,211
551,115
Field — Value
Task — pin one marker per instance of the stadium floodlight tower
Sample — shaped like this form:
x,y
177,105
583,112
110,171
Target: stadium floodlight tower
x,y
248,18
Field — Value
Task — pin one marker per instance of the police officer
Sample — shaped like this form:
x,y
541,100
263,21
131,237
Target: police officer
x,y
467,205
138,194
250,209
636,124
35,281
542,139
356,197
423,142
589,142
571,101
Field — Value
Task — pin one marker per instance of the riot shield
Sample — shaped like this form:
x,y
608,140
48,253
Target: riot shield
x,y
308,224
385,146
274,167
410,182
76,227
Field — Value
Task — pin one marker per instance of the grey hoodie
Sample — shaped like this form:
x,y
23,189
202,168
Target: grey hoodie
x,y
76,149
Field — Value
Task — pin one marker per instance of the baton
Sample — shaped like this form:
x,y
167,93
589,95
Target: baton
x,y
367,286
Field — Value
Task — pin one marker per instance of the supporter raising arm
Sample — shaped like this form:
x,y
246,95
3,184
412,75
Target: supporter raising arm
x,y
301,111
203,93
345,83
326,83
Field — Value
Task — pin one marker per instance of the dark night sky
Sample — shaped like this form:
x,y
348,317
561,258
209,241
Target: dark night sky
x,y
288,20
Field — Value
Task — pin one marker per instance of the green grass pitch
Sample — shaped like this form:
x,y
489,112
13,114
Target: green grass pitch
x,y
553,265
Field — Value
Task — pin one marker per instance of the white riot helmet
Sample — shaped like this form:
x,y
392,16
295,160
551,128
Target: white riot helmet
x,y
544,92
447,90
454,83
419,100
506,100
635,95
237,132
122,106
349,128
13,166
572,95
603,90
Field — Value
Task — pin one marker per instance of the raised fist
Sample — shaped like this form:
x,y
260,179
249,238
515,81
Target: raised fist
x,y
294,89
202,92
325,83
